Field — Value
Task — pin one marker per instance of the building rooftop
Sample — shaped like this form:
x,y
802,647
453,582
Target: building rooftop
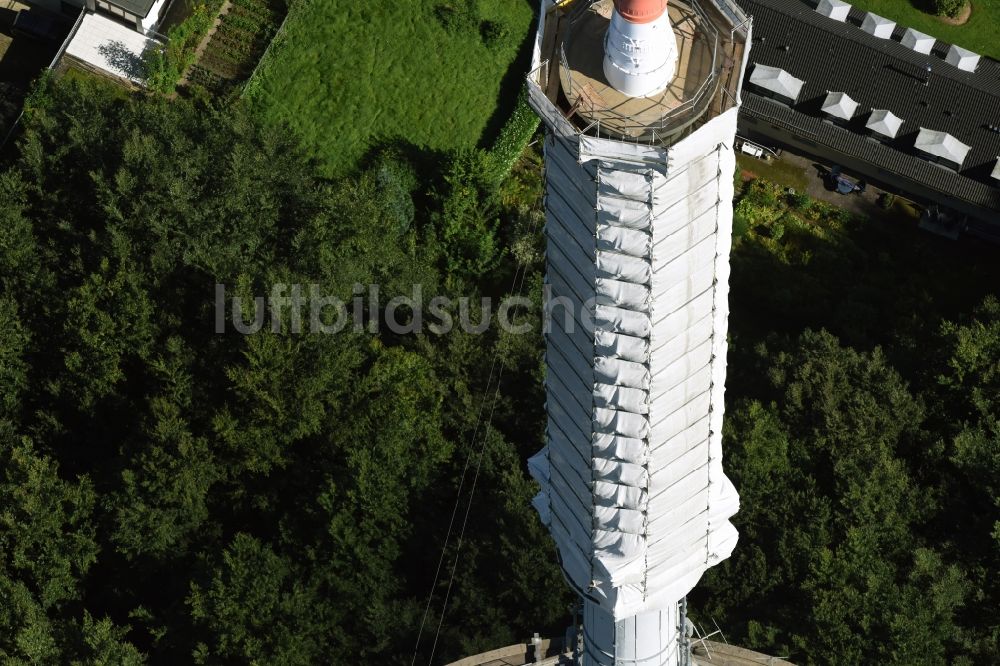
x,y
878,26
885,75
776,80
839,105
884,123
941,144
110,46
917,41
835,9
138,7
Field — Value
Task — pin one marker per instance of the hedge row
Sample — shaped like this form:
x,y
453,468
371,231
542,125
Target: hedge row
x,y
513,139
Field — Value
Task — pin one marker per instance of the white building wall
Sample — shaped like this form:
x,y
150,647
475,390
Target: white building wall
x,y
152,19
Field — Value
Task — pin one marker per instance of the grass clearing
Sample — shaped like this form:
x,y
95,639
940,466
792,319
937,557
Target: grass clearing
x,y
348,75
773,170
979,34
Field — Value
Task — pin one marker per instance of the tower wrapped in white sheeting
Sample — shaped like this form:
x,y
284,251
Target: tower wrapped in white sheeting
x,y
639,214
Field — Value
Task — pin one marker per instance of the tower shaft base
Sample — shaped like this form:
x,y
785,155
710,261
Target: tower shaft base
x,y
647,639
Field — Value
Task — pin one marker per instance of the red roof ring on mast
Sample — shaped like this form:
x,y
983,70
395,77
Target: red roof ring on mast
x,y
641,11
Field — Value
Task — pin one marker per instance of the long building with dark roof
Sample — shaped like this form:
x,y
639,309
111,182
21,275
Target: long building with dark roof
x,y
879,74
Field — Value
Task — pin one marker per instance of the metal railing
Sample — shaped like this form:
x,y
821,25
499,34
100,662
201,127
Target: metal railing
x,y
69,38
734,13
667,121
540,75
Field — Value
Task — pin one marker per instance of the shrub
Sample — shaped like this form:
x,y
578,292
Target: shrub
x,y
764,194
165,65
460,17
494,34
466,225
949,8
740,225
513,139
777,231
396,180
799,200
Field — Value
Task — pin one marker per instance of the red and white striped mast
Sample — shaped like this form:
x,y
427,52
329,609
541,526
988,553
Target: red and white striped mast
x,y
640,50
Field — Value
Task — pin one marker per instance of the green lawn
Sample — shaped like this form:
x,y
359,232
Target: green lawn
x,y
348,75
775,171
979,34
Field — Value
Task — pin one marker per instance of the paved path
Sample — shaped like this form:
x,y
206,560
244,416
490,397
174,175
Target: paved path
x,y
865,203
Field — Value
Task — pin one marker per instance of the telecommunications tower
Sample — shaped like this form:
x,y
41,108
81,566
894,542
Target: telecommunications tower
x,y
639,100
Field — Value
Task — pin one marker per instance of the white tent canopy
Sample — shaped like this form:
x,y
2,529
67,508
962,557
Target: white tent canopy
x,y
878,26
996,170
884,122
918,41
776,80
962,58
835,9
839,105
941,145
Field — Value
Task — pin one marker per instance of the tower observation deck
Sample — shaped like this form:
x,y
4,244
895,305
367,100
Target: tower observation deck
x,y
639,99
711,49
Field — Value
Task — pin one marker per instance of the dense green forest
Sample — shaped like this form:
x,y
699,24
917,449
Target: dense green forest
x,y
270,498
863,433
171,495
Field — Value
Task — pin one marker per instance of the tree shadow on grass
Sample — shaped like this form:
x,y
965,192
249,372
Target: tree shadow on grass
x,y
925,6
510,86
429,163
869,282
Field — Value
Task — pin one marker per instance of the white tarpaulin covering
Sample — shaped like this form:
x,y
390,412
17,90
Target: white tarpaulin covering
x,y
878,26
962,58
777,81
884,123
835,9
942,145
918,41
996,170
632,484
839,105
